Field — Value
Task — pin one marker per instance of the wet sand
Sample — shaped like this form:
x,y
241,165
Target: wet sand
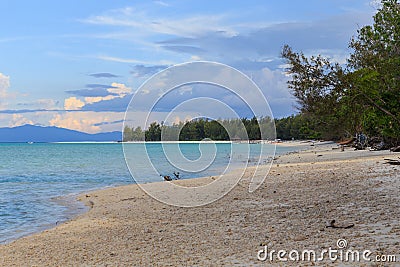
x,y
303,191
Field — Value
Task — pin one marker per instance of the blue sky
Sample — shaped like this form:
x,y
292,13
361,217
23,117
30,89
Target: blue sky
x,y
76,64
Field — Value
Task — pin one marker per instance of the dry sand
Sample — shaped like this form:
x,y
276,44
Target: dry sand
x,y
126,227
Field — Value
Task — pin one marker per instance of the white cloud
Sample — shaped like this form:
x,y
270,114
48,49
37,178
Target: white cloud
x,y
79,121
18,120
4,85
5,96
46,103
232,37
195,58
95,99
43,103
73,103
162,3
273,84
86,121
117,90
144,24
120,89
375,4
119,59
185,89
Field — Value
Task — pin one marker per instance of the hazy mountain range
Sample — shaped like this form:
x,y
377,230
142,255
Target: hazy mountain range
x,y
32,133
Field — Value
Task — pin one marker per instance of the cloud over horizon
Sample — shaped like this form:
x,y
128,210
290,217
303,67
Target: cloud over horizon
x,y
4,85
94,98
92,61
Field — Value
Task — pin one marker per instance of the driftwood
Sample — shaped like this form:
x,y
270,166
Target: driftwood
x,y
169,178
332,224
377,143
347,142
166,177
392,161
395,149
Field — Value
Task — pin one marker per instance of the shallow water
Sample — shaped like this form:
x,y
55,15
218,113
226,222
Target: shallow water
x,y
38,182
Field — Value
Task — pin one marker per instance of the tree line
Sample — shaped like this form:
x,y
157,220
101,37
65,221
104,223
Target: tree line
x,y
200,129
293,127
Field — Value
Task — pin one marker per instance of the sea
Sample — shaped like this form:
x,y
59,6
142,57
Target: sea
x,y
39,182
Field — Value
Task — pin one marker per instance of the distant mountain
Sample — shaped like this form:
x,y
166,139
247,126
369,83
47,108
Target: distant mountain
x,y
32,133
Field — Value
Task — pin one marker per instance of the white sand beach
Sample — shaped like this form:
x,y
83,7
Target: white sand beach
x,y
301,195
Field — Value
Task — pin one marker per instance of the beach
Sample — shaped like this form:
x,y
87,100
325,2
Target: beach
x,y
300,197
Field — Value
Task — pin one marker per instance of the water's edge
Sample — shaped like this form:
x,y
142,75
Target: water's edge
x,y
75,207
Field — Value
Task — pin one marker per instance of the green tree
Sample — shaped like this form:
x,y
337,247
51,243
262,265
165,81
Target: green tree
x,y
133,134
127,134
364,95
154,132
138,134
375,76
318,86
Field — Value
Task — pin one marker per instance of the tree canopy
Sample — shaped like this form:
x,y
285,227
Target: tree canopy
x,y
362,95
200,129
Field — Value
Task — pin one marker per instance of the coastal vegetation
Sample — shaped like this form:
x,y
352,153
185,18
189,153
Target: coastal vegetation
x,y
200,129
294,127
363,95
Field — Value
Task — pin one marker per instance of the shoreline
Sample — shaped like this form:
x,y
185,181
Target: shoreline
x,y
75,208
110,202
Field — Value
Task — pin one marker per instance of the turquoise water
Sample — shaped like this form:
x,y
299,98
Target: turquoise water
x,y
38,182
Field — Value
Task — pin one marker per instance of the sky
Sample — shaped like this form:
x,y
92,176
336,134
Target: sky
x,y
77,64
